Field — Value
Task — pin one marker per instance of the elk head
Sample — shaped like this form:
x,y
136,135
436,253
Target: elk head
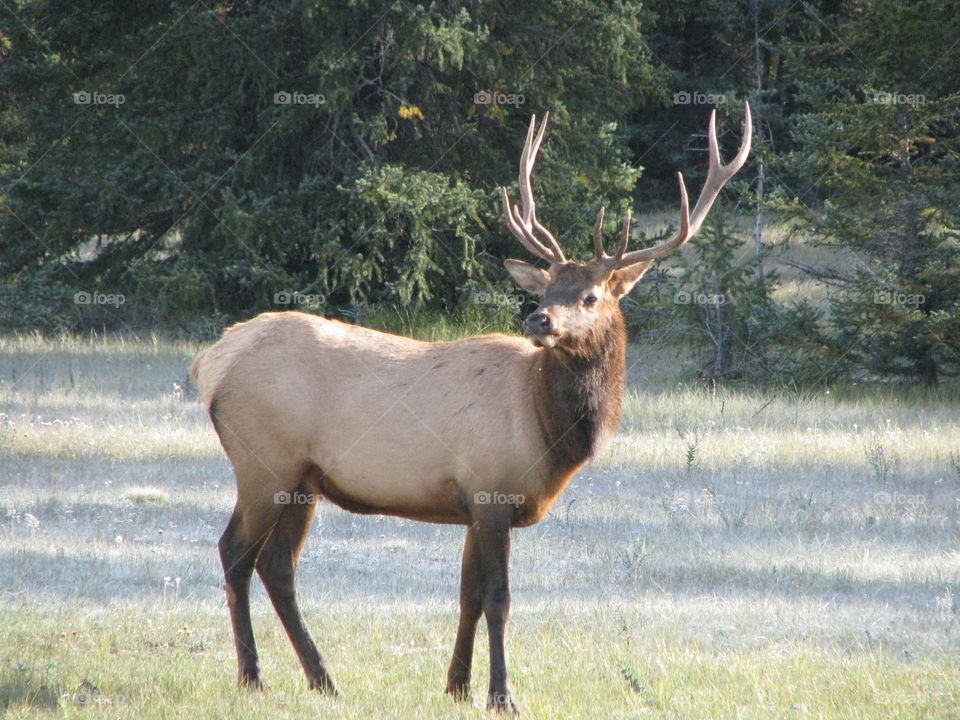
x,y
579,300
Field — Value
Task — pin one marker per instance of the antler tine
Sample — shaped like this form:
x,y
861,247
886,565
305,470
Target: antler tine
x,y
524,225
515,222
598,236
624,237
601,254
527,161
523,178
717,176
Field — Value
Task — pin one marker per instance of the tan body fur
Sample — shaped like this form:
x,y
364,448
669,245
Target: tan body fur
x,y
380,423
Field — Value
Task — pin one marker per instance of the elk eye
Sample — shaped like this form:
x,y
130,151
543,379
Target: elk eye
x,y
590,299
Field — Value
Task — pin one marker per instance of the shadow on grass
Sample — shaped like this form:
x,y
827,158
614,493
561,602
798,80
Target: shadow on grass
x,y
28,689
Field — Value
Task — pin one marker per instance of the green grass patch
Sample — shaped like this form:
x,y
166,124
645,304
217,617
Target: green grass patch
x,y
472,319
178,662
735,552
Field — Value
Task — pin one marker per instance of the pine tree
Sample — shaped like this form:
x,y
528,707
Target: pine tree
x,y
877,137
208,158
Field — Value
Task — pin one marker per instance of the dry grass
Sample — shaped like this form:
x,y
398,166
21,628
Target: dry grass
x,y
731,554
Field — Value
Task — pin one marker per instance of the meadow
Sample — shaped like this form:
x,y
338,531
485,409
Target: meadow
x,y
733,553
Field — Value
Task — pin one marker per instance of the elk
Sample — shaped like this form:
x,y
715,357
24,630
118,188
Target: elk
x,y
484,432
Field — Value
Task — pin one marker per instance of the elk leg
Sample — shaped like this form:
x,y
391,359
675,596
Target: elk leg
x,y
238,555
492,527
471,607
277,567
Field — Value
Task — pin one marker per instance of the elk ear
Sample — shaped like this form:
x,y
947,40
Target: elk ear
x,y
530,278
622,281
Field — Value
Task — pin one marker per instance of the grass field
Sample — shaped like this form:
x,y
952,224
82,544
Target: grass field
x,y
733,553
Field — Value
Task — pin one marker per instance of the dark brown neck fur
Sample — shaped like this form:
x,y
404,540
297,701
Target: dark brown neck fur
x,y
579,394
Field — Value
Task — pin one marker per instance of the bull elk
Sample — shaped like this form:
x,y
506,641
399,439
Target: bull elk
x,y
484,432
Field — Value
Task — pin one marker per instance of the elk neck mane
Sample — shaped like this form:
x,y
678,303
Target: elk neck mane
x,y
579,395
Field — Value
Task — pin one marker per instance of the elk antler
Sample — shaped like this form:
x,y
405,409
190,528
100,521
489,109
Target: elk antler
x,y
524,225
717,176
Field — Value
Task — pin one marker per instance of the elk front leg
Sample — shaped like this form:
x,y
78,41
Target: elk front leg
x,y
471,607
492,528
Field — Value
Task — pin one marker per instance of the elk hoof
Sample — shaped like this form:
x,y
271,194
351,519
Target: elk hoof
x,y
253,682
459,689
324,684
502,702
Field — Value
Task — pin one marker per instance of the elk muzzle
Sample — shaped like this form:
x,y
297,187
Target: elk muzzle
x,y
542,328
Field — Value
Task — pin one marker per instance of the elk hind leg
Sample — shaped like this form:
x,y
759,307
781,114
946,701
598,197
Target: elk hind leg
x,y
277,567
239,546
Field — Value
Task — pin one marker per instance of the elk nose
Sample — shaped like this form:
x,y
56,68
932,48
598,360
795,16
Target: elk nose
x,y
538,322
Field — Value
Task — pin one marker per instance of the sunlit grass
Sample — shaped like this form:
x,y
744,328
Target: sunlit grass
x,y
471,319
734,552
177,661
